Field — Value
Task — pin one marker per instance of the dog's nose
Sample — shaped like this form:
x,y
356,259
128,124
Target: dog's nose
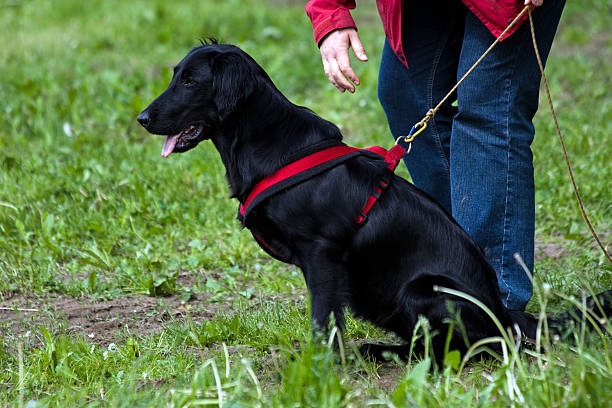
x,y
143,118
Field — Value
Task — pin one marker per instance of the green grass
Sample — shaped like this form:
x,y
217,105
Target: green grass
x,y
89,211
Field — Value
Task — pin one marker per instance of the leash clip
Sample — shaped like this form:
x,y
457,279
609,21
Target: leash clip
x,y
420,126
416,129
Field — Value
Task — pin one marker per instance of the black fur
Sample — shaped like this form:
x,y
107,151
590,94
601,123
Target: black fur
x,y
386,269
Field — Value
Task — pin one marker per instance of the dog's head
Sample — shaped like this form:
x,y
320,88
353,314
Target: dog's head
x,y
207,87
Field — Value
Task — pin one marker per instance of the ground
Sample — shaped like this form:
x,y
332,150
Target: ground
x,y
109,321
106,321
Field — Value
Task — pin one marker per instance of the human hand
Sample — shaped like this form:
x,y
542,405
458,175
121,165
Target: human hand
x,y
336,63
536,3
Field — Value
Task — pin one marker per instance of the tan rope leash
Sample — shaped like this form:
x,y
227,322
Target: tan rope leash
x,y
567,162
420,126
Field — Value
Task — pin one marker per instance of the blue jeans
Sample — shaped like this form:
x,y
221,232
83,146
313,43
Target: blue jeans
x,y
474,158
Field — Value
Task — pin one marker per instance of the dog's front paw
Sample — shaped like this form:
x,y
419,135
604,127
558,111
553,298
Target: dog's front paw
x,y
383,352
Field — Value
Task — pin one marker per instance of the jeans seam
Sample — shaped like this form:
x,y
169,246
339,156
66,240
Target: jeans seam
x,y
508,147
435,132
504,232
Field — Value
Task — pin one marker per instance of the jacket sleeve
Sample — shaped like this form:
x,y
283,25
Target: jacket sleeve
x,y
329,15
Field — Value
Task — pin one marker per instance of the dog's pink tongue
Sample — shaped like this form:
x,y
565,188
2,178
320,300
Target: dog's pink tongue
x,y
169,145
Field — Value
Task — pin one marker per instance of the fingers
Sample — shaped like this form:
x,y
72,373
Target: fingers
x,y
357,47
336,63
536,3
339,79
345,67
335,75
336,71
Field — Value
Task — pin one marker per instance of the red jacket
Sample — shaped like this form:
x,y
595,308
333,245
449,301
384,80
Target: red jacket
x,y
329,15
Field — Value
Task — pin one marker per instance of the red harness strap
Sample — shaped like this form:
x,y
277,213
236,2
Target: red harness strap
x,y
321,160
392,158
292,169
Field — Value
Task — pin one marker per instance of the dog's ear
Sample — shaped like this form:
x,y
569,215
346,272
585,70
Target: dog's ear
x,y
233,81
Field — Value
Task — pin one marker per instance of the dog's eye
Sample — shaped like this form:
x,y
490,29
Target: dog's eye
x,y
188,80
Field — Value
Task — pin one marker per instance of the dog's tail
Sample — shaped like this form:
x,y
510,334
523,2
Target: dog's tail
x,y
596,310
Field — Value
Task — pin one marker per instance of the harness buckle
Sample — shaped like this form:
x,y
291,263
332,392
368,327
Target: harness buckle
x,y
408,141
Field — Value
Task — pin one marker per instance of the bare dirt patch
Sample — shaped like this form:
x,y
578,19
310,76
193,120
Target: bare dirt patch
x,y
562,248
545,250
104,320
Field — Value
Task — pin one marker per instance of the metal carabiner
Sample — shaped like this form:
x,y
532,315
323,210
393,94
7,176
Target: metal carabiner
x,y
416,129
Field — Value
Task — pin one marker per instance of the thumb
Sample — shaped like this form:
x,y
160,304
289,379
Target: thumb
x,y
357,47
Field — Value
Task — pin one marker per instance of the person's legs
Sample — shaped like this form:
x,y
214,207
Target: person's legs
x,y
432,42
491,170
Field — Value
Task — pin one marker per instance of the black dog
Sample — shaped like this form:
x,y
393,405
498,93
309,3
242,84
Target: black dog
x,y
385,269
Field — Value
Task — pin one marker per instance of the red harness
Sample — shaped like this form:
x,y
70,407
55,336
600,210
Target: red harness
x,y
316,163
303,169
